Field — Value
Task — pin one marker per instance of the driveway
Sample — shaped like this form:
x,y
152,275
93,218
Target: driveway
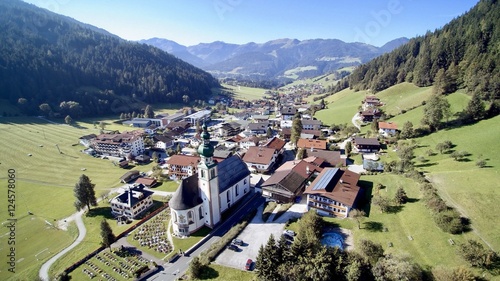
x,y
256,234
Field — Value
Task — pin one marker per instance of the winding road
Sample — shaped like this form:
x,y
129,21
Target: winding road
x,y
82,231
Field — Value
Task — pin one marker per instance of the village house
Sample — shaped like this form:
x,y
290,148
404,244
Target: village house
x,y
366,145
259,158
387,128
333,192
332,158
311,143
370,114
311,124
163,142
258,128
130,176
370,102
176,117
289,181
120,144
248,142
201,199
182,166
276,144
229,129
87,140
132,202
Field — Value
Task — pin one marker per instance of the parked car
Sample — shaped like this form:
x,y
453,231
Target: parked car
x,y
248,265
289,232
233,247
237,242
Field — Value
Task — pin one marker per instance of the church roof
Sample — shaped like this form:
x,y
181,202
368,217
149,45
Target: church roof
x,y
186,196
230,171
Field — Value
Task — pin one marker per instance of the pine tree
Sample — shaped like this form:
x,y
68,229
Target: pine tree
x,y
475,109
400,197
107,235
68,120
84,193
436,109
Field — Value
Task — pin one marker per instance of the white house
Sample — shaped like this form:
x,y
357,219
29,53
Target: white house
x,y
387,128
132,202
201,198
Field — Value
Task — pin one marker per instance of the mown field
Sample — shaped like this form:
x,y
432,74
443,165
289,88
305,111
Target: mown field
x,y
44,186
246,93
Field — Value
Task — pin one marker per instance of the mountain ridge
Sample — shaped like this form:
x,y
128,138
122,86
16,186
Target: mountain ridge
x,y
272,59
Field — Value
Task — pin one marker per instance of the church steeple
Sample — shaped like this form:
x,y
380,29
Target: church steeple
x,y
206,149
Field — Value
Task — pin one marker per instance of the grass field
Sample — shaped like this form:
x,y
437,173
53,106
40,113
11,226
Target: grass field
x,y
403,97
341,107
246,93
44,184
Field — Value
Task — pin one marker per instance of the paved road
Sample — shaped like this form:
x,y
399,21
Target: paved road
x,y
172,271
44,270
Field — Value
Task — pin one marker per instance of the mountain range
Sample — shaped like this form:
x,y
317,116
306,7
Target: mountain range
x,y
276,59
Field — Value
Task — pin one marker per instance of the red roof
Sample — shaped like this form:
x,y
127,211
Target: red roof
x,y
387,125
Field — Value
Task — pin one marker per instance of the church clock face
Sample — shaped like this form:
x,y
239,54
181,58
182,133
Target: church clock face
x,y
182,218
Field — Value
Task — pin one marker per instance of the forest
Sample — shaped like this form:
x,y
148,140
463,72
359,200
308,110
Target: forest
x,y
465,53
70,67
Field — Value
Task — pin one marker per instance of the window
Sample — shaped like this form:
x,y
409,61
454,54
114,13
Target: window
x,y
212,173
236,190
228,196
190,217
245,181
202,174
200,211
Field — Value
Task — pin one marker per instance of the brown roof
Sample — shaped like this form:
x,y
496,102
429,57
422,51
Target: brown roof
x,y
183,160
331,157
366,141
387,125
336,184
259,155
308,143
314,160
253,139
276,143
146,181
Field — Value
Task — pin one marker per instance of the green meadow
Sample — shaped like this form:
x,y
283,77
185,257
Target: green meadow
x,y
47,161
246,93
341,107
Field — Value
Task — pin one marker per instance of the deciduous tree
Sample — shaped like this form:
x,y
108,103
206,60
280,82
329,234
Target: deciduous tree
x,y
357,215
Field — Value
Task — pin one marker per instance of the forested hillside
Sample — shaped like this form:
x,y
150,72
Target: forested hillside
x,y
463,54
75,68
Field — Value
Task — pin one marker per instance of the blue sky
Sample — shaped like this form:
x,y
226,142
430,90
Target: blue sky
x,y
190,22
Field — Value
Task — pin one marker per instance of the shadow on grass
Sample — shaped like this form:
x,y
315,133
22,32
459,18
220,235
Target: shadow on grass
x,y
104,212
394,209
364,203
425,165
208,273
412,200
373,226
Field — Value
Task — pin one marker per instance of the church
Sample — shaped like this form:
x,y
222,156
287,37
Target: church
x,y
201,198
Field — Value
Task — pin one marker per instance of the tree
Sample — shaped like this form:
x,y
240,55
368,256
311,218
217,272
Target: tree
x,y
475,109
407,132
46,109
102,125
84,193
436,109
269,132
400,197
442,147
458,155
148,112
476,255
348,148
68,120
371,250
107,235
396,268
357,215
443,83
382,202
185,98
296,128
195,268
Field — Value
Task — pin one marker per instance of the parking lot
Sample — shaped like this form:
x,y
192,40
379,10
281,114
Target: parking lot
x,y
257,233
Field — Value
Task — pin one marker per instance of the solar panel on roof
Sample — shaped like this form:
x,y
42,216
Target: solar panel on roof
x,y
325,179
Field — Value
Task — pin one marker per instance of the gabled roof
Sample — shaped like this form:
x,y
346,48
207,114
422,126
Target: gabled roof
x,y
258,126
275,143
336,184
231,171
183,160
331,157
88,137
310,122
259,155
146,181
186,196
288,110
311,143
162,138
366,141
387,125
253,139
302,168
